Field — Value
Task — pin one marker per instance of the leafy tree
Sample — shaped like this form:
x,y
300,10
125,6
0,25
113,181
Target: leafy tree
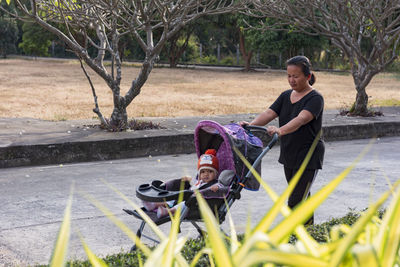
x,y
215,31
8,31
367,32
286,42
100,25
9,36
35,41
233,29
177,45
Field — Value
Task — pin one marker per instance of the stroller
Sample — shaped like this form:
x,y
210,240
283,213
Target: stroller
x,y
210,134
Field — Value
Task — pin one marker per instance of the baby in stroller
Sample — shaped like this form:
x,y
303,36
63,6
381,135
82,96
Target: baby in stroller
x,y
231,176
206,182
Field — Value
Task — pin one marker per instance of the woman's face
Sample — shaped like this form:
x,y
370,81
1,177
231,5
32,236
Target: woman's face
x,y
207,175
296,78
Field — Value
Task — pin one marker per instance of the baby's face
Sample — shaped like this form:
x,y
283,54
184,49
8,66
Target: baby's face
x,y
207,175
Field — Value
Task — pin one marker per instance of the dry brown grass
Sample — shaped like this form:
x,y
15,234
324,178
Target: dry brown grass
x,y
58,90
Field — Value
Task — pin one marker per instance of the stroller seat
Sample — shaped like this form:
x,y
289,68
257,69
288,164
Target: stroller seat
x,y
210,134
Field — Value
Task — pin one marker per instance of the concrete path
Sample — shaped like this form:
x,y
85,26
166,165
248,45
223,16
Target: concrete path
x,y
34,198
27,142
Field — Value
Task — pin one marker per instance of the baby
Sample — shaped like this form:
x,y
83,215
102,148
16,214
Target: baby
x,y
206,183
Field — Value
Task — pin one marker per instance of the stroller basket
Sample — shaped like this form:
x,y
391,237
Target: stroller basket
x,y
211,135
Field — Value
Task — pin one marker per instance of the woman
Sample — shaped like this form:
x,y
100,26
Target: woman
x,y
300,112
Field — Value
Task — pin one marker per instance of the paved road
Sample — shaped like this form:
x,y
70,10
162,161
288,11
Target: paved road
x,y
33,198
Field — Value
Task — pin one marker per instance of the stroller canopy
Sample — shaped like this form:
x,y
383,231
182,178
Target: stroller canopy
x,y
210,134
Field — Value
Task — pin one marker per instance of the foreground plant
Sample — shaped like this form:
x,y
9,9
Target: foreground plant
x,y
370,241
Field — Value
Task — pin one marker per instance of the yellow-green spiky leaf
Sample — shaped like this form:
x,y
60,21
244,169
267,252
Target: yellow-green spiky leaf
x,y
214,236
196,258
61,248
282,258
311,245
148,220
93,259
169,255
303,211
119,224
387,242
269,218
365,255
356,229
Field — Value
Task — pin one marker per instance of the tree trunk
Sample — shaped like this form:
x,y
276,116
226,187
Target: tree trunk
x,y
119,118
173,60
247,60
361,104
362,75
246,55
175,51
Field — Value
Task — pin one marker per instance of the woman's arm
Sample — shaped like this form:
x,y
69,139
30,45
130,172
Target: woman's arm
x,y
304,117
264,118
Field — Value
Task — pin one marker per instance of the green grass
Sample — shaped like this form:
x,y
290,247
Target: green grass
x,y
385,102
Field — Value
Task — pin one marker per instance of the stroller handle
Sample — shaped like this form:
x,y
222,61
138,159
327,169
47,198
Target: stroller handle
x,y
273,141
254,127
275,136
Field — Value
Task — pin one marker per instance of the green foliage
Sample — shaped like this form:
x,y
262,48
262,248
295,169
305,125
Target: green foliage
x,y
195,245
320,232
7,1
35,41
394,67
287,43
191,51
208,60
178,50
9,36
130,49
229,60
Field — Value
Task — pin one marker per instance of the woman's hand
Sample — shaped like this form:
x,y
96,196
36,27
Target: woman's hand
x,y
273,129
243,123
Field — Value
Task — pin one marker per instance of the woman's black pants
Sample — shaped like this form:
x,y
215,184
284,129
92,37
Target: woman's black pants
x,y
302,189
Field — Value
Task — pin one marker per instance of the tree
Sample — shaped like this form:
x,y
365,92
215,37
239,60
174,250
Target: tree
x,y
285,43
177,45
8,32
9,36
35,40
368,32
100,25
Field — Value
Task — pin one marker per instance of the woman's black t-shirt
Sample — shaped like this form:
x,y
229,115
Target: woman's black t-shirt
x,y
294,146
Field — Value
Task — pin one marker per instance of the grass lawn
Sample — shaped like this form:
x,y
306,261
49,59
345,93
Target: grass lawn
x,y
58,90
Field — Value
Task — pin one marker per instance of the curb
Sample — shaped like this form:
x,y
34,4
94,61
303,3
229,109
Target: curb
x,y
97,150
71,152
361,131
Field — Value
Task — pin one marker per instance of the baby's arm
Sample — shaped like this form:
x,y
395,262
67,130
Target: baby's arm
x,y
218,187
214,187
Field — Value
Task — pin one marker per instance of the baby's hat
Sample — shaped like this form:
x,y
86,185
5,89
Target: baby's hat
x,y
208,160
